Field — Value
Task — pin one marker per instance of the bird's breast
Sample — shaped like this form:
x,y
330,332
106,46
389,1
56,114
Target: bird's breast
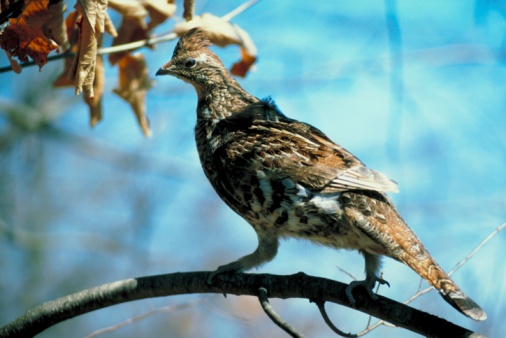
x,y
281,206
269,199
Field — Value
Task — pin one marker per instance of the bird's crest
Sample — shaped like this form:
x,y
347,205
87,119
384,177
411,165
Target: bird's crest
x,y
193,40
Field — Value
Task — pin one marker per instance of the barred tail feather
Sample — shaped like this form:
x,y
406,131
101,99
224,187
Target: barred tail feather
x,y
462,303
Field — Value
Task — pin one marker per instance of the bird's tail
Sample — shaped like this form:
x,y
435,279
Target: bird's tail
x,y
456,297
416,256
376,216
434,274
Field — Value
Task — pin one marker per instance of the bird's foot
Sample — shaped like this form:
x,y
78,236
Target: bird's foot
x,y
227,268
368,284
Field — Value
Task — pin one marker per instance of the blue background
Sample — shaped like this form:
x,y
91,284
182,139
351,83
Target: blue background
x,y
416,90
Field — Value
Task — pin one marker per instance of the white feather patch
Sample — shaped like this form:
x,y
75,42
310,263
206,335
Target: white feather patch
x,y
328,204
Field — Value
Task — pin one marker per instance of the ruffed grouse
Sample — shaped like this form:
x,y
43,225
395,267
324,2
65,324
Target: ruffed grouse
x,y
288,179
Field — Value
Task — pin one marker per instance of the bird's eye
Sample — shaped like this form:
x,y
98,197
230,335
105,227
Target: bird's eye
x,y
189,63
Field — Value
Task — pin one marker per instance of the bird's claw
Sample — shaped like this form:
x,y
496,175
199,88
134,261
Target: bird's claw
x,y
228,268
381,281
368,284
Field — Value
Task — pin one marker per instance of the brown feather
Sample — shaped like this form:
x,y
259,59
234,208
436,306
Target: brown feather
x,y
288,179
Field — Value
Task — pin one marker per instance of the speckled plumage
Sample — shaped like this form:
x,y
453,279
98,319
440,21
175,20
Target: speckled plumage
x,y
288,179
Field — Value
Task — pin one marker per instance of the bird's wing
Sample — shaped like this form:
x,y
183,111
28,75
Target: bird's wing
x,y
329,167
288,148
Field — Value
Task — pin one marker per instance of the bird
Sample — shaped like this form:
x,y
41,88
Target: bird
x,y
287,179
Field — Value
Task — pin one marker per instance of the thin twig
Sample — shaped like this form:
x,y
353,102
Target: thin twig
x,y
32,63
321,307
349,274
239,10
472,253
373,327
216,310
138,44
420,284
129,321
266,306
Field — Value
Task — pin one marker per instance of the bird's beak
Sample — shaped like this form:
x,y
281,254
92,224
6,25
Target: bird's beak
x,y
165,69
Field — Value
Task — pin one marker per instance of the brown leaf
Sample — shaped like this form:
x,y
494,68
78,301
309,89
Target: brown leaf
x,y
95,104
109,26
159,11
66,78
83,67
95,12
133,83
242,67
132,28
90,25
189,9
54,27
25,37
223,33
16,68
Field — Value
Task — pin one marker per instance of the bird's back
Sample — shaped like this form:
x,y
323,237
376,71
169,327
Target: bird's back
x,y
279,174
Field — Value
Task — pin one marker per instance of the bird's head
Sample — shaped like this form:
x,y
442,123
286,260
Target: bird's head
x,y
193,62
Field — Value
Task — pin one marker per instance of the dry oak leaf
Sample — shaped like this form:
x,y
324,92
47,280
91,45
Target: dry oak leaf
x,y
90,25
223,33
95,104
241,67
134,27
134,82
66,78
25,37
159,11
189,9
54,28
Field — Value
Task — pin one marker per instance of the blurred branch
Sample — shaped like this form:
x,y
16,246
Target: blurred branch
x,y
298,285
165,309
396,75
105,153
40,241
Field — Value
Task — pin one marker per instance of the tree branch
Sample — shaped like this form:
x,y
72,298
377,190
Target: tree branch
x,y
321,307
298,285
269,311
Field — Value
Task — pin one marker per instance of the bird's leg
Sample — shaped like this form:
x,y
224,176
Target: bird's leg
x,y
265,252
372,265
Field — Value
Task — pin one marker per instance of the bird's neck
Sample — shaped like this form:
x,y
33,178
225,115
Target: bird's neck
x,y
222,99
216,103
